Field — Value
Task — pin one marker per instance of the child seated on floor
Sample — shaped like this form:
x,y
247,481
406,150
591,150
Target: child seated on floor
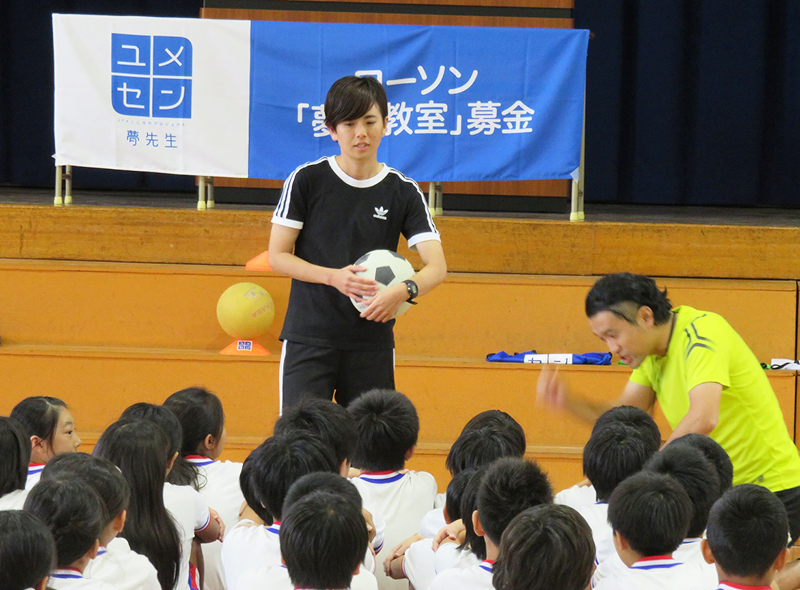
x,y
267,474
388,426
650,515
545,547
509,487
75,515
746,538
27,551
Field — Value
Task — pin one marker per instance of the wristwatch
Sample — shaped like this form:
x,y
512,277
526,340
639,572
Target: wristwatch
x,y
413,291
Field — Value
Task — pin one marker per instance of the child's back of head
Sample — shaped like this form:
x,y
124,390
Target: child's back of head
x,y
323,537
387,426
651,512
75,515
280,461
689,467
27,551
545,547
481,446
322,482
15,454
748,531
613,453
510,486
324,419
633,417
714,452
468,505
455,493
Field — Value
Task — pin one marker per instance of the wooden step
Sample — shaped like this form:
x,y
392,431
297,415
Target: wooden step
x,y
469,316
98,383
472,244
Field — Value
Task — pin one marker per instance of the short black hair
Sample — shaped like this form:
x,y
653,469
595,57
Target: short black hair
x,y
469,504
388,427
323,538
613,453
106,479
324,419
248,489
15,456
322,482
651,511
161,417
73,512
352,97
714,452
280,461
481,446
455,492
510,486
27,550
634,417
39,415
544,547
617,291
747,530
503,422
697,476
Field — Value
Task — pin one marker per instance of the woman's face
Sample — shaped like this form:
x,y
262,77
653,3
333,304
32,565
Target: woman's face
x,y
65,438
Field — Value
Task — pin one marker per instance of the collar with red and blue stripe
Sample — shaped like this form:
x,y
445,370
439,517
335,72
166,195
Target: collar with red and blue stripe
x,y
381,477
34,468
487,565
655,562
67,573
732,586
275,528
199,460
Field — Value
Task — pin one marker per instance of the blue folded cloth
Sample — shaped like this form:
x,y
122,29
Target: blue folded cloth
x,y
589,358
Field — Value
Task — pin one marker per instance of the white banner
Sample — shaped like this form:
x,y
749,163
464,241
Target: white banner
x,y
152,94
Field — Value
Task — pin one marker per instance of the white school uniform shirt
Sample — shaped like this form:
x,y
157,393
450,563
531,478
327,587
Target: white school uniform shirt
x,y
123,568
596,516
72,579
402,500
277,578
13,500
477,577
190,512
576,497
688,552
432,523
222,493
249,546
449,556
34,475
656,573
419,564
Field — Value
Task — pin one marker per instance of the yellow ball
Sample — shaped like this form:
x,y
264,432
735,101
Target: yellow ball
x,y
245,311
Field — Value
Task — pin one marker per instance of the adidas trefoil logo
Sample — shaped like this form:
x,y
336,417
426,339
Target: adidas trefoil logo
x,y
380,213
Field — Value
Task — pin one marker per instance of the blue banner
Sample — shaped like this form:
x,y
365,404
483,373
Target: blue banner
x,y
466,103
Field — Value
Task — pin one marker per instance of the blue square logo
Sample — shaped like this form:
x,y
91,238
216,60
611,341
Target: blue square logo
x,y
151,76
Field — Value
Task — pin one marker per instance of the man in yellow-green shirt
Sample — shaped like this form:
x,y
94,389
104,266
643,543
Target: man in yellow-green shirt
x,y
700,371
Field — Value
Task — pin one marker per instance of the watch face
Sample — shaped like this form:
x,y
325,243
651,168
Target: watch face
x,y
412,289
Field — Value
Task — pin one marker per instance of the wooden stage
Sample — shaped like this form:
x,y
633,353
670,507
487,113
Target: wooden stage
x,y
105,305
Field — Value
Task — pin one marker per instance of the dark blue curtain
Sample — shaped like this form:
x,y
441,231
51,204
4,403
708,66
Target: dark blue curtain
x,y
26,92
693,102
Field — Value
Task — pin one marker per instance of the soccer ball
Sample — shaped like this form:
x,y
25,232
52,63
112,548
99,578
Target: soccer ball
x,y
387,268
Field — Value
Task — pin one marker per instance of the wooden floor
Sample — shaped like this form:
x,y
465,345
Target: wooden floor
x,y
108,305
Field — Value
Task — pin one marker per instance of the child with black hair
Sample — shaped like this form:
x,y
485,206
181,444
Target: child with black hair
x,y
267,475
322,541
115,563
509,487
614,452
545,547
15,455
714,452
202,420
27,551
388,427
277,578
50,426
584,495
140,449
197,522
75,515
650,515
417,563
746,538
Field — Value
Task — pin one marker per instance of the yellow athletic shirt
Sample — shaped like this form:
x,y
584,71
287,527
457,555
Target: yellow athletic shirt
x,y
704,348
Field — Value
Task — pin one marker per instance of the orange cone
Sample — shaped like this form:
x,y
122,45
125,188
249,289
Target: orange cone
x,y
245,348
260,262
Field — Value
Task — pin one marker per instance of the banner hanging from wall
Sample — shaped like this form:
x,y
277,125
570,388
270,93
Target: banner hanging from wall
x,y
245,99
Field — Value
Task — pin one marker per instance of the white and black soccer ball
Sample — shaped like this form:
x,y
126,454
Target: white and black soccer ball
x,y
387,268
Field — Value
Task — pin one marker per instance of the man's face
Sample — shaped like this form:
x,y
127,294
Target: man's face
x,y
630,342
359,139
